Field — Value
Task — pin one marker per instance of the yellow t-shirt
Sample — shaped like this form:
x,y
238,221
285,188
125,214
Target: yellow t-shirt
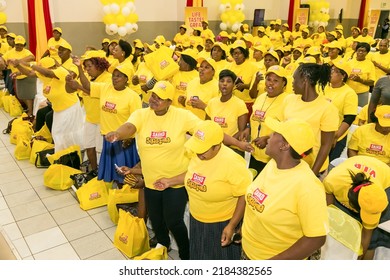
x,y
369,142
181,39
366,70
245,72
203,91
13,54
207,34
301,43
282,205
226,114
363,115
160,141
383,60
180,82
115,106
70,66
263,41
59,98
214,185
91,104
339,181
195,40
276,39
221,65
264,106
320,114
345,100
115,63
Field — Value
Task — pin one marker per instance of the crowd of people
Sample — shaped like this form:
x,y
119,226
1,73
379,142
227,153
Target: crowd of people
x,y
288,98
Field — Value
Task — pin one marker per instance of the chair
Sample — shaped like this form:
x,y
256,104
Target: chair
x,y
343,241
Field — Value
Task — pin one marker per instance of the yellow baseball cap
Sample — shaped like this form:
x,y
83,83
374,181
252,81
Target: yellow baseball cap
x,y
274,54
57,29
297,132
47,62
189,52
339,27
333,33
245,27
277,70
20,40
164,90
285,25
278,21
306,30
383,115
160,39
334,45
343,65
125,69
65,45
355,27
248,37
207,134
106,40
91,54
238,43
4,27
261,29
372,201
260,48
313,50
138,44
308,59
12,35
209,60
224,34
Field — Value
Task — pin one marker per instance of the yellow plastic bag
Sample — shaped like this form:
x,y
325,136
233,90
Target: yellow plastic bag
x,y
22,149
131,236
57,177
92,194
15,108
3,92
37,146
159,253
118,196
45,133
21,128
161,63
6,101
67,157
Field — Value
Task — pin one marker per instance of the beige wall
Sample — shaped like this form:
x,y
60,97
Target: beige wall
x,y
81,20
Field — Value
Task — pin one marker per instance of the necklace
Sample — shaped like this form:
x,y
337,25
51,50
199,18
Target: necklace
x,y
260,115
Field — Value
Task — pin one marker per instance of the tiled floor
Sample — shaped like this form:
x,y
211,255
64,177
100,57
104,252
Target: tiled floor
x,y
44,224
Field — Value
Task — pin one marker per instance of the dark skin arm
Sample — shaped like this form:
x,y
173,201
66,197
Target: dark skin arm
x,y
326,144
301,249
352,153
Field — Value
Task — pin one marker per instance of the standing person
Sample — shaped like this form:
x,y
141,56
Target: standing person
x,y
117,102
360,187
216,181
26,87
308,105
363,73
346,102
385,28
122,55
285,214
52,43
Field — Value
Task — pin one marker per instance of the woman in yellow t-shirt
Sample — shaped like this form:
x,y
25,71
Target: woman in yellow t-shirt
x,y
360,187
116,102
215,181
345,100
285,214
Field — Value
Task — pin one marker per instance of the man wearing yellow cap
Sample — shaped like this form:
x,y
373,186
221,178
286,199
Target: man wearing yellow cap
x,y
276,36
360,187
52,44
381,59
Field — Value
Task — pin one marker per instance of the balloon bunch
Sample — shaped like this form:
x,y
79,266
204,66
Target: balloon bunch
x,y
3,16
319,13
231,14
120,17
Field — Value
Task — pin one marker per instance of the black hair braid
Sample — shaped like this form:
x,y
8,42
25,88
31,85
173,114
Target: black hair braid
x,y
316,73
357,179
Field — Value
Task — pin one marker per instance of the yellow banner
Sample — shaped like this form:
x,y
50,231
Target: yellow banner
x,y
194,16
373,19
302,16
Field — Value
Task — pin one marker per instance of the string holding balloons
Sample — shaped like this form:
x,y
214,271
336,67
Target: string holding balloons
x,y
232,14
120,17
3,16
319,13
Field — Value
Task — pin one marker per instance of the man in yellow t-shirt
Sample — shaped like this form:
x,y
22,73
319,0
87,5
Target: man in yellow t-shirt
x,y
381,59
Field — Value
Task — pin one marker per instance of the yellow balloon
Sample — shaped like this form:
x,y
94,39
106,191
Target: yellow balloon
x,y
3,18
109,19
120,20
105,2
224,17
132,18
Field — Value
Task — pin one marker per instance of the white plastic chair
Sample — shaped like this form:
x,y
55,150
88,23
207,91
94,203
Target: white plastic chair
x,y
343,241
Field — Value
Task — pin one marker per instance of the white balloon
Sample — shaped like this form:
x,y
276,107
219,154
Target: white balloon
x,y
126,11
3,5
122,31
108,30
129,27
107,9
114,27
223,26
135,27
115,8
222,8
131,6
235,26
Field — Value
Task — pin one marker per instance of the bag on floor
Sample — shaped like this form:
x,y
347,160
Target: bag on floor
x,y
57,177
93,194
160,253
131,236
22,149
15,108
83,178
39,151
20,128
118,196
70,156
6,101
44,134
3,92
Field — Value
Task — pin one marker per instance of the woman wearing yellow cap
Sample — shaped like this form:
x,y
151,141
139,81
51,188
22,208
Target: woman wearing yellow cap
x,y
345,99
52,43
360,187
373,139
285,214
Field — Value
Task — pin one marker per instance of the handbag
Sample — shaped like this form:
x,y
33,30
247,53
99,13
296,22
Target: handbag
x,y
70,156
93,194
82,178
131,236
39,151
15,108
3,93
41,160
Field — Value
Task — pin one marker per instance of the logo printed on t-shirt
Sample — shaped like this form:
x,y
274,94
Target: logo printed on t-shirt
x,y
199,179
197,182
376,147
109,105
259,196
221,121
365,169
158,137
258,115
158,134
256,199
